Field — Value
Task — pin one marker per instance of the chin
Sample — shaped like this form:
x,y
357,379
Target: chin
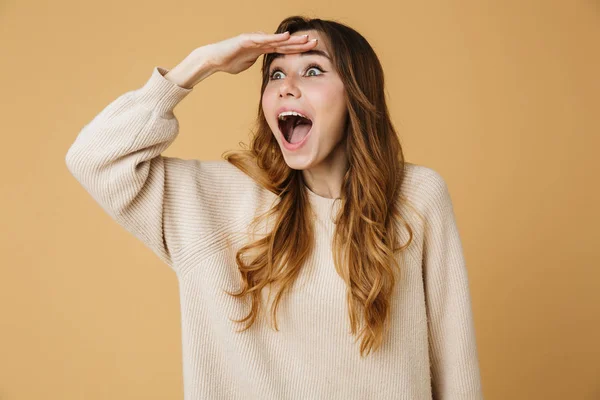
x,y
298,162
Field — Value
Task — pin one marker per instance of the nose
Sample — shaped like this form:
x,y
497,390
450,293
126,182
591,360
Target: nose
x,y
288,87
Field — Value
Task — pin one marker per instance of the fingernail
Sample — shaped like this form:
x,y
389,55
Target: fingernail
x,y
305,35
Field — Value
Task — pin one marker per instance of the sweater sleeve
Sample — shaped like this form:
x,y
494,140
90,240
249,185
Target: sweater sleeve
x,y
453,351
117,158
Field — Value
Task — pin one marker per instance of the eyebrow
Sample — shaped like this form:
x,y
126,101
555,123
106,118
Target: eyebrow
x,y
306,53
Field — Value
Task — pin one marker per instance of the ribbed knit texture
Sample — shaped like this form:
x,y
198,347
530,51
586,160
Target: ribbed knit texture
x,y
193,214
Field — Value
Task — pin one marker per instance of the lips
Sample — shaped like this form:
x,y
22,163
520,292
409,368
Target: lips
x,y
298,110
287,125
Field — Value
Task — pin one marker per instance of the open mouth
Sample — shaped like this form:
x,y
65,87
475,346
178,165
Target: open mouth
x,y
294,127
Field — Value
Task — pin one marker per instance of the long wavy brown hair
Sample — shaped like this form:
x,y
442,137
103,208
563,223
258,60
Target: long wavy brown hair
x,y
365,227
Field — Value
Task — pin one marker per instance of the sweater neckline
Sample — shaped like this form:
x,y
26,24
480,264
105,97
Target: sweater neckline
x,y
325,208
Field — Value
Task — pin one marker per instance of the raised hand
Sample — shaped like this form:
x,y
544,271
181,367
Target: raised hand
x,y
240,52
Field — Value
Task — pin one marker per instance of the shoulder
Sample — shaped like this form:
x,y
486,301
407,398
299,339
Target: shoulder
x,y
215,184
214,175
425,188
208,202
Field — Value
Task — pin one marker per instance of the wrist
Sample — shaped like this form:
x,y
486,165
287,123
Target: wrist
x,y
196,67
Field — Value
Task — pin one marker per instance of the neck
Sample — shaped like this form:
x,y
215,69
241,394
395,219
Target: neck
x,y
325,179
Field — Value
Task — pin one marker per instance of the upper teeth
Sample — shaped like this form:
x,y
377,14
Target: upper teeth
x,y
287,113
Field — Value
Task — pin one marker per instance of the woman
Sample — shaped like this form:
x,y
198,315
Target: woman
x,y
362,244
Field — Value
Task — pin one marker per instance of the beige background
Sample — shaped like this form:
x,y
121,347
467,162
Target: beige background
x,y
502,98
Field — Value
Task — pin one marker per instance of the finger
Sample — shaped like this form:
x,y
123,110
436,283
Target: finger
x,y
291,48
263,38
292,41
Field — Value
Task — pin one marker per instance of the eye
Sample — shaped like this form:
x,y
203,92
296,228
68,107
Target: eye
x,y
315,66
311,66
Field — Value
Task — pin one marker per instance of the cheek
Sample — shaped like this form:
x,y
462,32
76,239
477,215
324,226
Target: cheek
x,y
334,106
265,104
267,97
267,108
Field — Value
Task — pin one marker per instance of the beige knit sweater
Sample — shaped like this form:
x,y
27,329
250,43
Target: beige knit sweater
x,y
193,214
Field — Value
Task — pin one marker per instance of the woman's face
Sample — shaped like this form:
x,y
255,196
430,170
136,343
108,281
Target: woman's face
x,y
307,82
